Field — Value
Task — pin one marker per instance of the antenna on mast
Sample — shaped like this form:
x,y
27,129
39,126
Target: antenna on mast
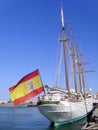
x,y
62,15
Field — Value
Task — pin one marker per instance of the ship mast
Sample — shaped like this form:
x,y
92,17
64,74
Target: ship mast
x,y
79,70
73,59
64,41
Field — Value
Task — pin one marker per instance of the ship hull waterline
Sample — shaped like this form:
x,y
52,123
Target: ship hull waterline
x,y
54,124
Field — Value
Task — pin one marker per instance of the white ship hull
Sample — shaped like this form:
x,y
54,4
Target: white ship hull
x,y
66,111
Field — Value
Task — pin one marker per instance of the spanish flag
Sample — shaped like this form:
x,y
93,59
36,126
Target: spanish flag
x,y
28,87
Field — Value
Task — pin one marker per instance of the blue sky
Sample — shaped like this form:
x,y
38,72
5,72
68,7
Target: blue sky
x,y
29,31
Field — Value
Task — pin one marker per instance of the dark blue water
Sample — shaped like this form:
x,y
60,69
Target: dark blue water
x,y
30,118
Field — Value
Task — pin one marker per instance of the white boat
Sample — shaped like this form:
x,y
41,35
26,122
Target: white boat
x,y
62,106
10,104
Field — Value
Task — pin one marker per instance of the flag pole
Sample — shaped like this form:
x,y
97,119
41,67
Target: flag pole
x,y
42,83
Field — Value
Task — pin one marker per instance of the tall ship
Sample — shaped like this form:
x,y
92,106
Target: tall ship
x,y
62,106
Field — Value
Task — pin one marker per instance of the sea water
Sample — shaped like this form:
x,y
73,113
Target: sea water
x,y
30,118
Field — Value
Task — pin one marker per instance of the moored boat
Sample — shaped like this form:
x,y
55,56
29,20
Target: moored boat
x,y
62,106
10,104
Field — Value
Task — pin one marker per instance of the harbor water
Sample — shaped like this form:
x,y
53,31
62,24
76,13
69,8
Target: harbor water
x,y
30,118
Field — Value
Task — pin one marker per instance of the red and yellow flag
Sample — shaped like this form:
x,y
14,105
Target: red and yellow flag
x,y
28,87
